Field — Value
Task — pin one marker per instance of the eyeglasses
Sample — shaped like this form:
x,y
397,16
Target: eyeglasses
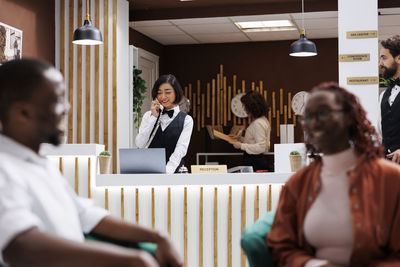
x,y
321,116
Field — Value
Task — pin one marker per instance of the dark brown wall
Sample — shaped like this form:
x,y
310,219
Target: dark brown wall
x,y
36,20
266,61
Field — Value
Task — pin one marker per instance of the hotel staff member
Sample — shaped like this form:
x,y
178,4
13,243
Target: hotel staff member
x,y
175,127
256,140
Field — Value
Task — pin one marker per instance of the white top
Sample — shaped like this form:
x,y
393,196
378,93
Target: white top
x,y
34,194
327,225
393,94
182,145
257,137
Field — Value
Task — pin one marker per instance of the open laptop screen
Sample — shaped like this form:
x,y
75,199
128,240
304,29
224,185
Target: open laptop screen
x,y
142,160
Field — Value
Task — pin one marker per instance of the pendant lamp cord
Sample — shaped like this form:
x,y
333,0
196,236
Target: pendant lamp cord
x,y
87,10
302,14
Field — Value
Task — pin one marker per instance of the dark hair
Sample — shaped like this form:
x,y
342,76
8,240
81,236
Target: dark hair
x,y
361,132
171,79
254,104
393,45
19,80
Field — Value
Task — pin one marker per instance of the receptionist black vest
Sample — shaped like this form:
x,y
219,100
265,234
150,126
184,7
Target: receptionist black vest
x,y
169,137
390,122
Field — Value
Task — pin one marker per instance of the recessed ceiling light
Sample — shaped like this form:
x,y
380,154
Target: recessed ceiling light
x,y
267,25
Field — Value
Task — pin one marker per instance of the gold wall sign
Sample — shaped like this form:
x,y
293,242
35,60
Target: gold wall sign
x,y
209,169
362,34
362,80
354,57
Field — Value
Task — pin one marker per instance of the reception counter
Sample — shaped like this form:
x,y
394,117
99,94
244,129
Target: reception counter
x,y
205,214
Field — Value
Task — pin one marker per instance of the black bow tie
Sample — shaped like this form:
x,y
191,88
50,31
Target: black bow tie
x,y
169,112
393,83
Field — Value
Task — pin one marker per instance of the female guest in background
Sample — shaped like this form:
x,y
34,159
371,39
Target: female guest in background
x,y
342,209
256,140
175,128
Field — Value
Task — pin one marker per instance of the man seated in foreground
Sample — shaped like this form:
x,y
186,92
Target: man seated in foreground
x,y
42,221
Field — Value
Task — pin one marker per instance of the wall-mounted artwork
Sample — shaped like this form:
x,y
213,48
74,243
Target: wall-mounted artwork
x,y
10,43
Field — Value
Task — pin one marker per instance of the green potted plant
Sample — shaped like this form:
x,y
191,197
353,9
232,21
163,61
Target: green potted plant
x,y
105,162
139,88
295,160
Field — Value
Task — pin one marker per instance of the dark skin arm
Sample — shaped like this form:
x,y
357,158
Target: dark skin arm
x,y
118,229
35,248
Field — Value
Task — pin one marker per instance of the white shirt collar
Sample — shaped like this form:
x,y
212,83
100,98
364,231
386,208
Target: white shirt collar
x,y
15,149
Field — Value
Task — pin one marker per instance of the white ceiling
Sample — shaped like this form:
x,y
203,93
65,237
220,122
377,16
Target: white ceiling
x,y
223,29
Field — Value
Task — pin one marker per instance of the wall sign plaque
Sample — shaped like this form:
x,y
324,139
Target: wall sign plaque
x,y
362,34
354,57
362,80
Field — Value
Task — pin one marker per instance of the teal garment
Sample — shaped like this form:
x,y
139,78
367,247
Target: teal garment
x,y
149,247
254,244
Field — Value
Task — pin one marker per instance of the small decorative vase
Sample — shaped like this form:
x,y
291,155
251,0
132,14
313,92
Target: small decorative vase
x,y
295,162
105,164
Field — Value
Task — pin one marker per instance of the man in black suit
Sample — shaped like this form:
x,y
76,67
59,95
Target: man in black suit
x,y
389,64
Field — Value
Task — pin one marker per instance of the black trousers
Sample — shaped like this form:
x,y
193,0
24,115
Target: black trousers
x,y
258,162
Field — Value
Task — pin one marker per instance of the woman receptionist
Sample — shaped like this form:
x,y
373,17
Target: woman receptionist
x,y
175,127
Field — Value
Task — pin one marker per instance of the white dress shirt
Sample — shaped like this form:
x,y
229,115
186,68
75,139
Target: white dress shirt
x,y
256,139
34,194
182,145
393,94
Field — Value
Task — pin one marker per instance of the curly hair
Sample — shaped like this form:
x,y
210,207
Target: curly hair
x,y
254,104
393,45
361,132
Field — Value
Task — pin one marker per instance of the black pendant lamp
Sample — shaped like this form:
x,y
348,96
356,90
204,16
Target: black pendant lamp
x,y
87,34
303,47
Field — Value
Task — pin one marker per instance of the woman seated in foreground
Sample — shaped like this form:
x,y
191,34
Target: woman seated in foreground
x,y
344,208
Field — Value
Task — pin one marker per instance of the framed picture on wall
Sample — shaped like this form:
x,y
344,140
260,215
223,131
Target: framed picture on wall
x,y
10,43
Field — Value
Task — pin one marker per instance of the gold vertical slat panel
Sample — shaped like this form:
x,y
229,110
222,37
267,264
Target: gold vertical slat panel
x,y
105,75
229,102
89,178
106,198
202,110
218,99
269,198
208,99
289,105
76,184
201,228
137,205
277,123
97,78
185,224
169,211
230,227
88,95
284,114
273,104
122,203
243,224
257,203
60,165
70,73
215,227
225,103
114,88
281,101
213,103
79,83
62,37
153,210
198,91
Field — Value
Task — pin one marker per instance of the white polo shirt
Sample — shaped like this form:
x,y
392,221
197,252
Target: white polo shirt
x,y
34,194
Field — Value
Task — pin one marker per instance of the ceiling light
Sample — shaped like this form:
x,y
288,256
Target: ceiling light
x,y
267,25
87,34
303,47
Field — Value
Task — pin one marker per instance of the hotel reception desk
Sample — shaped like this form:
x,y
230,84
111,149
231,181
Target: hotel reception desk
x,y
205,214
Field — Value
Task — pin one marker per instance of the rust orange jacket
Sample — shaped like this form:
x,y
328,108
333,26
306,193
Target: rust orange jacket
x,y
374,194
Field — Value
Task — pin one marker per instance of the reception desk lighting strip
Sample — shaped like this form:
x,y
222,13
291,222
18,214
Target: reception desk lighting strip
x,y
89,179
169,211
215,227
230,227
123,204
269,198
256,203
153,217
106,199
185,239
60,165
243,224
76,176
201,228
137,205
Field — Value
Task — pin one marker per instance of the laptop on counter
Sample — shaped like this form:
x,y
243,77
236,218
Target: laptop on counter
x,y
142,160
